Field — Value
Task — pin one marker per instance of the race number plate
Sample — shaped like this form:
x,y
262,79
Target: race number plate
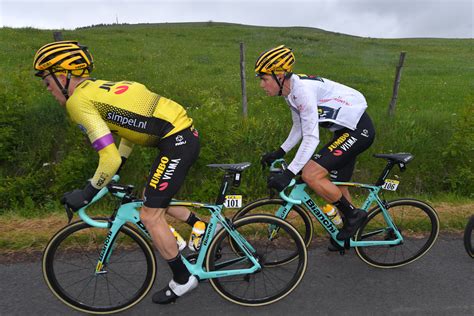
x,y
233,201
390,185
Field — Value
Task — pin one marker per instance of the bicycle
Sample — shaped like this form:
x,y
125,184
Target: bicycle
x,y
469,236
107,265
395,233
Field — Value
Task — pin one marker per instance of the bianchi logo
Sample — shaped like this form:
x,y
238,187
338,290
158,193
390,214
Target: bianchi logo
x,y
179,140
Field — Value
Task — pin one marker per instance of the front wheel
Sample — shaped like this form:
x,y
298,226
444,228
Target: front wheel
x,y
274,280
417,222
69,268
469,236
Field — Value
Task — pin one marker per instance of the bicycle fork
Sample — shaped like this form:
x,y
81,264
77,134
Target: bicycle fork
x,y
127,213
107,248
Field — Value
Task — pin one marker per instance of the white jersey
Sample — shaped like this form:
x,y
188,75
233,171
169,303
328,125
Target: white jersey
x,y
315,100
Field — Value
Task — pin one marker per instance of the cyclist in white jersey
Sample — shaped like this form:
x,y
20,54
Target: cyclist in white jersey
x,y
318,102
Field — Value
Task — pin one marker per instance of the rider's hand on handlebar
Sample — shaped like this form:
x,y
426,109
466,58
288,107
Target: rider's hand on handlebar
x,y
79,198
270,157
280,181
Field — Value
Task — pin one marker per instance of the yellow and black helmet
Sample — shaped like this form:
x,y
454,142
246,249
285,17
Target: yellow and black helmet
x,y
274,61
64,56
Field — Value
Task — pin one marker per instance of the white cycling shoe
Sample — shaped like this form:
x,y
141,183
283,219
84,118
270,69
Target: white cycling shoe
x,y
174,290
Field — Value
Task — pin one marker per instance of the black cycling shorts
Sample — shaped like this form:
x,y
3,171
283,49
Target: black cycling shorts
x,y
338,156
177,153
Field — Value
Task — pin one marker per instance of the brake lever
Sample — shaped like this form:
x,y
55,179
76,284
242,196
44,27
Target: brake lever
x,y
69,212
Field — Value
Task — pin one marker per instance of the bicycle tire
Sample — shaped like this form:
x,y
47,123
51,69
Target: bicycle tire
x,y
283,279
297,216
469,236
69,264
418,223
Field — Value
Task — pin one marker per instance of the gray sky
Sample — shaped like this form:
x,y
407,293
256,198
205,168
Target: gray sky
x,y
367,18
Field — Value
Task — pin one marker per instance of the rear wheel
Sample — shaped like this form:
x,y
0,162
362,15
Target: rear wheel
x,y
274,280
417,222
296,216
469,237
69,268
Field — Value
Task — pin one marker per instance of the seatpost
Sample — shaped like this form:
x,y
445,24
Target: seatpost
x,y
226,183
385,173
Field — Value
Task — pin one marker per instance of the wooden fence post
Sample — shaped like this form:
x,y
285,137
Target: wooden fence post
x,y
396,84
242,80
58,36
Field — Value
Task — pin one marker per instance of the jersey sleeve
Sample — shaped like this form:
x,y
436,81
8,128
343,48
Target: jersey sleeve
x,y
100,136
295,133
109,162
306,105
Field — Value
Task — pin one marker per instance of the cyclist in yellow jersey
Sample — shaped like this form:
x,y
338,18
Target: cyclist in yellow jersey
x,y
138,116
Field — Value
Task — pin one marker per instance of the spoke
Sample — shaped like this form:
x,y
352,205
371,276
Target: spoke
x,y
80,293
108,289
277,274
120,275
265,276
79,268
95,292
115,287
90,277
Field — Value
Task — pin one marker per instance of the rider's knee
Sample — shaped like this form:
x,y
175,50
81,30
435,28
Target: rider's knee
x,y
313,174
152,215
306,176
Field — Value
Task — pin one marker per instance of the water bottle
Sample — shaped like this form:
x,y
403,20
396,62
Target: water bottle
x,y
196,236
179,240
333,214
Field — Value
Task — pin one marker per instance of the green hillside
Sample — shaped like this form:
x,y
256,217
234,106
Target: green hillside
x,y
197,64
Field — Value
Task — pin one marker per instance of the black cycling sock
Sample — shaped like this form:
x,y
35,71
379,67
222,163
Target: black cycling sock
x,y
180,272
192,219
345,206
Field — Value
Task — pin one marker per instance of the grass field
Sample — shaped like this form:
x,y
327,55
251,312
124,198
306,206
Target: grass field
x,y
197,64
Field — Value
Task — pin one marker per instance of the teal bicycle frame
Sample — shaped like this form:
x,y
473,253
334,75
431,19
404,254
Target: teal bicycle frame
x,y
128,213
298,196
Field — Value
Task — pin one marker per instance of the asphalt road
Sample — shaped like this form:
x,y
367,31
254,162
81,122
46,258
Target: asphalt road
x,y
441,283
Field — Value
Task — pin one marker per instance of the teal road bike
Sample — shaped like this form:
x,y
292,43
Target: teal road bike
x,y
107,265
396,232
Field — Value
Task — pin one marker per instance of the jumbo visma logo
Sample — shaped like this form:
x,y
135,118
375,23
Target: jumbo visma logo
x,y
344,142
163,173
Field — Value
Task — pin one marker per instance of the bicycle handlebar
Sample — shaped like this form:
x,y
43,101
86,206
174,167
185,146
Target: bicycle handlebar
x,y
282,163
287,198
82,211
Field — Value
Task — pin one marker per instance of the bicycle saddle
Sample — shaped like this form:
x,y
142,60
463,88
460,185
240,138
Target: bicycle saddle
x,y
234,167
398,157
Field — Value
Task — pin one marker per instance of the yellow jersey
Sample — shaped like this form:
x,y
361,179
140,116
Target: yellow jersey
x,y
128,109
